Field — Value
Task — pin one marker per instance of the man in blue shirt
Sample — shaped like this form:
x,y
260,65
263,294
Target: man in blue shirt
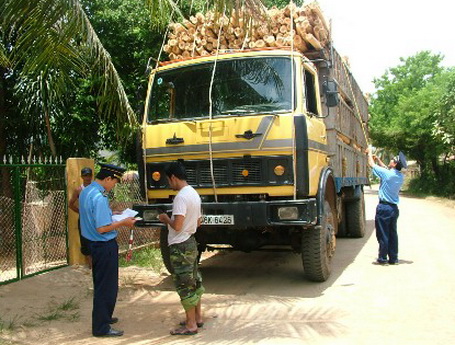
x,y
387,210
100,231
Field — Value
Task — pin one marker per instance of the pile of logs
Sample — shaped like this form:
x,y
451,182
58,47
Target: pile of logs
x,y
303,28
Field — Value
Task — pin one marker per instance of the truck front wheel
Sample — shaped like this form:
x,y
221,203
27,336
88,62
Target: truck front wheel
x,y
318,247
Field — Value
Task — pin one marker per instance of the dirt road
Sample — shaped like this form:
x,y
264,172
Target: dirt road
x,y
262,298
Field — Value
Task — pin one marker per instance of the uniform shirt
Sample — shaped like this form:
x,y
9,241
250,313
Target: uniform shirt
x,y
391,182
187,203
94,212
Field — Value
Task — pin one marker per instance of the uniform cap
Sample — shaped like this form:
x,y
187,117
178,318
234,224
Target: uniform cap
x,y
112,170
86,171
401,158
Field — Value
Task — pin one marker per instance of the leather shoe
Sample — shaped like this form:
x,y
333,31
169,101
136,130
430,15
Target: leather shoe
x,y
111,333
113,320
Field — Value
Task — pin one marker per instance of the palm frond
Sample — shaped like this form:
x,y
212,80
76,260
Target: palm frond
x,y
4,60
55,38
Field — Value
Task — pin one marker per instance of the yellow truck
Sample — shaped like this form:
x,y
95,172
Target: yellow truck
x,y
272,140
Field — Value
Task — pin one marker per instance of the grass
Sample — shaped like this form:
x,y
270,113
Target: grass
x,y
68,305
8,325
61,311
149,257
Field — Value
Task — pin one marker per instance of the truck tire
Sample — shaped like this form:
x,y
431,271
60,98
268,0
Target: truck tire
x,y
342,228
355,217
164,247
318,247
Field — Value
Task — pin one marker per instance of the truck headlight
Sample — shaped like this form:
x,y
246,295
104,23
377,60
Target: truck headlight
x,y
288,213
279,170
156,176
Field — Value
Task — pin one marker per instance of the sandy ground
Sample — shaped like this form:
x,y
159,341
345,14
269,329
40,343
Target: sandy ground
x,y
262,298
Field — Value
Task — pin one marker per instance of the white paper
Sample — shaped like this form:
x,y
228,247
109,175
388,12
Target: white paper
x,y
127,213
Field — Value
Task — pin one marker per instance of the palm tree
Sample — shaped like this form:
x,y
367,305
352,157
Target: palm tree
x,y
51,42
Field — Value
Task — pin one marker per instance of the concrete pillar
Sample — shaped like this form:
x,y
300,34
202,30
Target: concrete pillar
x,y
73,175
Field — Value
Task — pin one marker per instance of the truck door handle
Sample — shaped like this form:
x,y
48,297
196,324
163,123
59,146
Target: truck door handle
x,y
248,135
174,140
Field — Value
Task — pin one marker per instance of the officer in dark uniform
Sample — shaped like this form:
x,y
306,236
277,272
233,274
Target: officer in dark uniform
x,y
100,231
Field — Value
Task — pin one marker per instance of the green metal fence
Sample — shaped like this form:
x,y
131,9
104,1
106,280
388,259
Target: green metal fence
x,y
33,219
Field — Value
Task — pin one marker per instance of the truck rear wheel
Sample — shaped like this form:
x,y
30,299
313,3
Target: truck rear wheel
x,y
342,228
164,247
318,247
355,217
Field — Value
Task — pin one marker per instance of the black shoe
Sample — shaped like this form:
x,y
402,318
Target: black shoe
x,y
393,262
113,320
111,333
381,263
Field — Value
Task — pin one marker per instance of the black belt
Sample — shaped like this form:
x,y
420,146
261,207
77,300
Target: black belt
x,y
387,203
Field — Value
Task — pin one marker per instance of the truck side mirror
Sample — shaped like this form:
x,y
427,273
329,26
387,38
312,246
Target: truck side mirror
x,y
330,88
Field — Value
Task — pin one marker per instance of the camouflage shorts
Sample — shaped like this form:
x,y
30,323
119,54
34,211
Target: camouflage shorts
x,y
186,276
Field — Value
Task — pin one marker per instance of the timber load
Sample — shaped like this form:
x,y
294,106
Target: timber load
x,y
302,28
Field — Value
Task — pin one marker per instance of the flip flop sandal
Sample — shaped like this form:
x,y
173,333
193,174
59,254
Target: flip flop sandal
x,y
199,324
183,331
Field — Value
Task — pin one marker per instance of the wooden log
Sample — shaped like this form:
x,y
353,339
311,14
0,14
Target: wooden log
x,y
270,41
239,32
284,29
176,50
313,41
238,42
302,28
275,30
193,20
209,47
187,38
300,44
207,32
289,9
177,27
188,24
202,51
317,10
200,18
259,44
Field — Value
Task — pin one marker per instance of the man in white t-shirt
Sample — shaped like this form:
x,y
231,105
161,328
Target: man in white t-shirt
x,y
182,225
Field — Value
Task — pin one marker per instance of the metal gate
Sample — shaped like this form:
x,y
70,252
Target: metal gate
x,y
33,218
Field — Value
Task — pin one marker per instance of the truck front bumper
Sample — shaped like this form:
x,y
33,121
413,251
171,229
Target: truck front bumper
x,y
243,215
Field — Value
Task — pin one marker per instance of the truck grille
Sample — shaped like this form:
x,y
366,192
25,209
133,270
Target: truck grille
x,y
226,172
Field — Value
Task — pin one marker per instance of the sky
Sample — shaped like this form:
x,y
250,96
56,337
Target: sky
x,y
375,34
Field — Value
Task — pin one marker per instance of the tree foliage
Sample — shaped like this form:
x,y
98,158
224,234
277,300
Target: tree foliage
x,y
411,112
72,70
402,111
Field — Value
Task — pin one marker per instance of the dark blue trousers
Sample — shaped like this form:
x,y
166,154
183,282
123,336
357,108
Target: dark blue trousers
x,y
386,232
105,284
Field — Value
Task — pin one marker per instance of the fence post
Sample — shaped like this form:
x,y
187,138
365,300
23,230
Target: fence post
x,y
18,219
73,176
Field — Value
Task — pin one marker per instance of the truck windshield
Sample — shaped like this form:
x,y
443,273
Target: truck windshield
x,y
241,86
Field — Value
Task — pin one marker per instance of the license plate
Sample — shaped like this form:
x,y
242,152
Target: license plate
x,y
224,219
